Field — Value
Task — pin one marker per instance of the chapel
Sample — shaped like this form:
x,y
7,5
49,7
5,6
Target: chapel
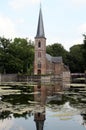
x,y
44,63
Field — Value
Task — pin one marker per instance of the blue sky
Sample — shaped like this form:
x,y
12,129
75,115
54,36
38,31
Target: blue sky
x,y
64,20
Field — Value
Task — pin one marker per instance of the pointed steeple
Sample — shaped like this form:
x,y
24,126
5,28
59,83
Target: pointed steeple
x,y
40,29
39,125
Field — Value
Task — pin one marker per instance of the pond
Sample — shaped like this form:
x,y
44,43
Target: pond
x,y
42,107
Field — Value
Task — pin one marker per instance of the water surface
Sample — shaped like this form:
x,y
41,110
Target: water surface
x,y
42,107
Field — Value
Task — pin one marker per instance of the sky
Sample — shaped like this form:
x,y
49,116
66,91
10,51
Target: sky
x,y
64,20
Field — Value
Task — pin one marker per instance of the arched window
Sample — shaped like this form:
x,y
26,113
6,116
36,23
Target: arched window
x,y
39,54
39,65
39,44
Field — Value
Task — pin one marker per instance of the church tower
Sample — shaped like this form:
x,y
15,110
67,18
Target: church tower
x,y
40,48
40,109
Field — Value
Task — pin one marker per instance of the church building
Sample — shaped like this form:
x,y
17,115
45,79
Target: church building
x,y
43,62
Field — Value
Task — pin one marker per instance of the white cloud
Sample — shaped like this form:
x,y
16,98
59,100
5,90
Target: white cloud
x,y
18,4
20,21
66,42
6,124
82,28
7,27
79,2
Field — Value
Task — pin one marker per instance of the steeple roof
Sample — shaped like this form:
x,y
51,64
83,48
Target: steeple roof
x,y
40,28
39,125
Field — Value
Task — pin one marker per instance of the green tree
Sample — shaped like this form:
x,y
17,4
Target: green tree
x,y
16,56
4,45
76,60
84,50
57,49
24,51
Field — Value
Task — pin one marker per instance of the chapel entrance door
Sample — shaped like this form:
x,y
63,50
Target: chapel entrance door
x,y
39,72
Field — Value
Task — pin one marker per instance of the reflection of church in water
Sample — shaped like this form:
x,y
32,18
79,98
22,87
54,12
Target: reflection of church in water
x,y
40,98
41,92
45,64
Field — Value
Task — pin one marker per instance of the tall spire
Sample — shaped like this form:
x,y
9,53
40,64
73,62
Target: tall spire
x,y
40,29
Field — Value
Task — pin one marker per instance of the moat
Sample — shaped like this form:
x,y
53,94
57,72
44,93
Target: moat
x,y
43,107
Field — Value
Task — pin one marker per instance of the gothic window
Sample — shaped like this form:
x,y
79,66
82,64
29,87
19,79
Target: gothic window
x,y
39,44
39,65
39,54
39,114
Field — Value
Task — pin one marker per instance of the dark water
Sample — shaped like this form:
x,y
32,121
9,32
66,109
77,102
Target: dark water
x,y
42,107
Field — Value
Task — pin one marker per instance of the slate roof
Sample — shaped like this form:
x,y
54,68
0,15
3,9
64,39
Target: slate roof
x,y
54,59
40,28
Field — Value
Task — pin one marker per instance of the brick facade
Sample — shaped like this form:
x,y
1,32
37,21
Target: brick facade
x,y
44,63
40,60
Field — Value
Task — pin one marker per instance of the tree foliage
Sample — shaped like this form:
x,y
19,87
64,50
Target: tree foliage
x,y
75,58
57,49
16,56
84,50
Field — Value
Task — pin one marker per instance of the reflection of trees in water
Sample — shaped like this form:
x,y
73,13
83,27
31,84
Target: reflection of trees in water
x,y
9,114
15,99
83,119
5,114
19,105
